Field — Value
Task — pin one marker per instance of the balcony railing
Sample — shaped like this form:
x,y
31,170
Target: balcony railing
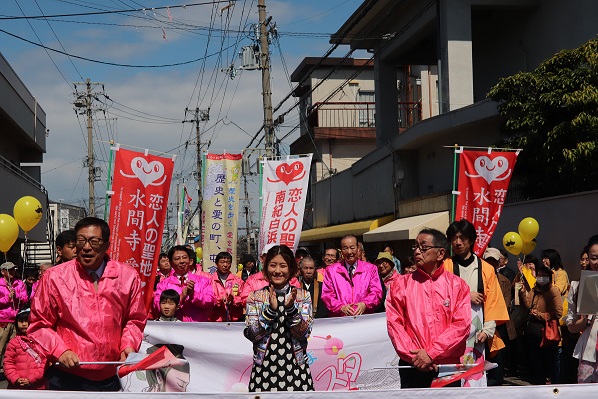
x,y
360,114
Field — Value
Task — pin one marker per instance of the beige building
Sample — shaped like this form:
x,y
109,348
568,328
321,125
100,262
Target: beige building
x,y
472,44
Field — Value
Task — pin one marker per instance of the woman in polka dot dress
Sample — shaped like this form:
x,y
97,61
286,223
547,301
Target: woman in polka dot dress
x,y
278,322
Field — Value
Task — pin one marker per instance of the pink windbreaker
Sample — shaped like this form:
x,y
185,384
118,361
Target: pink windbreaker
x,y
10,306
258,281
431,313
196,307
234,285
68,313
338,290
20,364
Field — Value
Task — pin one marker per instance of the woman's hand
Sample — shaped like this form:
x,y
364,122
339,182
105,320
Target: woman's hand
x,y
273,299
291,299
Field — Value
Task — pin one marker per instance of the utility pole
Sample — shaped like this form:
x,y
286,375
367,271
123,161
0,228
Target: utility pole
x,y
248,221
198,116
265,65
85,100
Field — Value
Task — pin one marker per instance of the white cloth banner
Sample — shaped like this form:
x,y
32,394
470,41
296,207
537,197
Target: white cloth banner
x,y
574,391
284,190
343,353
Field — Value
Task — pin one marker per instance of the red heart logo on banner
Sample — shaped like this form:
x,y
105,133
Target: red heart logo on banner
x,y
287,173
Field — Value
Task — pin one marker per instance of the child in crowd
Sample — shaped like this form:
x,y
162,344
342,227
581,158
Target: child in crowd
x,y
169,304
24,365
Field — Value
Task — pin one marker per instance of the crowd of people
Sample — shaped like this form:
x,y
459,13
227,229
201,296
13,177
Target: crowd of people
x,y
440,309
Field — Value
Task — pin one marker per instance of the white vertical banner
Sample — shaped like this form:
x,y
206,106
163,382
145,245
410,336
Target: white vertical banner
x,y
220,207
284,190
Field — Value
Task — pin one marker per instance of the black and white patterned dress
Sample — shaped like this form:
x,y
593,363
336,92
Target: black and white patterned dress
x,y
280,370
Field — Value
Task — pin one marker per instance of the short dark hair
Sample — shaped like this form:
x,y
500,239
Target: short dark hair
x,y
66,237
23,315
532,259
223,255
301,252
553,257
544,270
503,252
584,251
170,294
464,227
162,255
592,241
176,248
336,254
386,245
287,255
438,237
93,221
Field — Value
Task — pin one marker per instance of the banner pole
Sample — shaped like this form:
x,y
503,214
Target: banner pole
x,y
454,181
108,181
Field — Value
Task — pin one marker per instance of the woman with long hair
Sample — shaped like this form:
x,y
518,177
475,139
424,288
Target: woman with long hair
x,y
552,259
278,322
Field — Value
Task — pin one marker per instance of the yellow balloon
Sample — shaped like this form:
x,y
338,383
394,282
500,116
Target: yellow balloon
x,y
9,231
512,242
528,247
528,229
28,212
198,253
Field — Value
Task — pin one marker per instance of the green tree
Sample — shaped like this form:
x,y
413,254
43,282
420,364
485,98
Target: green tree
x,y
552,114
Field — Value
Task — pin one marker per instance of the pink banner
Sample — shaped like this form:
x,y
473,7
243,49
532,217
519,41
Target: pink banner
x,y
137,210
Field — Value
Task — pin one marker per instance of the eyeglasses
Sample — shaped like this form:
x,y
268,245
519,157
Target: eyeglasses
x,y
422,248
94,242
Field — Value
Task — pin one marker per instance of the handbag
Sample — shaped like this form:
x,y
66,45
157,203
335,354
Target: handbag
x,y
550,334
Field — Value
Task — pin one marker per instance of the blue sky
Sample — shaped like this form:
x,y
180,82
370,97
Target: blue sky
x,y
149,103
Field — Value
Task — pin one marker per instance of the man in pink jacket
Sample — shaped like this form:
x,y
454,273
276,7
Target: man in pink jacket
x,y
428,313
351,287
89,309
228,305
197,294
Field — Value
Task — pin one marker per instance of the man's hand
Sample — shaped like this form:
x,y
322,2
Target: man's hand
x,y
188,289
69,359
347,310
477,298
360,309
125,353
482,337
421,360
229,299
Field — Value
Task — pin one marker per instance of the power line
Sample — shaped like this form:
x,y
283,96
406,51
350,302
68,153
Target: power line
x,y
114,11
106,62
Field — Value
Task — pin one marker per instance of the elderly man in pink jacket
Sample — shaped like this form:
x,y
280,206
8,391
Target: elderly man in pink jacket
x,y
428,313
351,287
88,309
